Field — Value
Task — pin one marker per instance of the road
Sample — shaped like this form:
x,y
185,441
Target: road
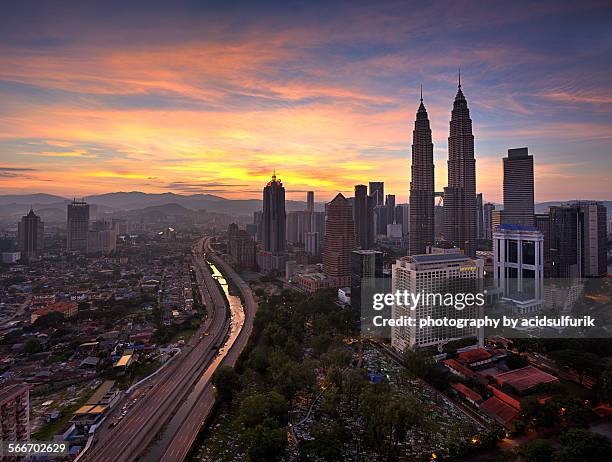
x,y
181,442
163,396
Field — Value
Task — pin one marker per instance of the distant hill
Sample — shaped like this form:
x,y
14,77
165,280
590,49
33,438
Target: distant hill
x,y
52,208
209,202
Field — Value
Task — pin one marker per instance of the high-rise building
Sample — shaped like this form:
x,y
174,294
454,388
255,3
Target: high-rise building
x,y
310,201
241,247
421,185
487,220
30,236
274,217
542,223
578,240
312,244
339,241
402,216
381,213
518,266
363,217
377,192
595,240
77,226
258,222
518,188
102,241
479,217
317,225
298,224
14,413
450,273
366,265
460,194
495,220
274,227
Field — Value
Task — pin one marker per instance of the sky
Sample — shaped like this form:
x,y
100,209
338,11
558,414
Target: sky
x,y
211,97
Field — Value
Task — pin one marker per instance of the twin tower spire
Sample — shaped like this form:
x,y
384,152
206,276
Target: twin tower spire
x,y
460,194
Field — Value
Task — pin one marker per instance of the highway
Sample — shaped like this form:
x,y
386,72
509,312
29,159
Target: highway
x,y
180,443
162,397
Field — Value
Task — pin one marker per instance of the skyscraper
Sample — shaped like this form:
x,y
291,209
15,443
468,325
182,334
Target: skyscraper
x,y
363,217
377,192
487,220
339,241
274,217
578,240
366,265
479,217
30,236
77,226
310,201
421,185
274,227
460,194
518,188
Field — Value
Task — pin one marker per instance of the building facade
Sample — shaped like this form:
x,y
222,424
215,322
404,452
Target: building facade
x,y
339,241
518,266
460,194
77,228
377,192
518,188
366,265
15,413
421,185
274,227
31,236
432,274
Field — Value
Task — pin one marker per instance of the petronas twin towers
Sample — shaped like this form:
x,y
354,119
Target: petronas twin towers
x,y
459,195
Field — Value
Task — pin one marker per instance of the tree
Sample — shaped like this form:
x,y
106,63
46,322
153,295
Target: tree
x,y
227,382
604,386
32,346
266,443
536,450
514,361
584,446
327,443
582,362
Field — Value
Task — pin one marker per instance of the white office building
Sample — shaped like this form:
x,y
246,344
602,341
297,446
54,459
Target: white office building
x,y
518,259
434,274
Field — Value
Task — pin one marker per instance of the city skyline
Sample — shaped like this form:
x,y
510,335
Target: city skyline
x,y
326,101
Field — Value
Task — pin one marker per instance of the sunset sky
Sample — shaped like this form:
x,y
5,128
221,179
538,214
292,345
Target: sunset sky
x,y
204,97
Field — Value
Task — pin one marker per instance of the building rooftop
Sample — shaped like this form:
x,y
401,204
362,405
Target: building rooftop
x,y
525,378
472,356
436,258
502,412
467,392
513,227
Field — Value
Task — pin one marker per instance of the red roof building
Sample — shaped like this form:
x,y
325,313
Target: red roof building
x,y
525,379
475,357
458,369
503,413
467,393
68,309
